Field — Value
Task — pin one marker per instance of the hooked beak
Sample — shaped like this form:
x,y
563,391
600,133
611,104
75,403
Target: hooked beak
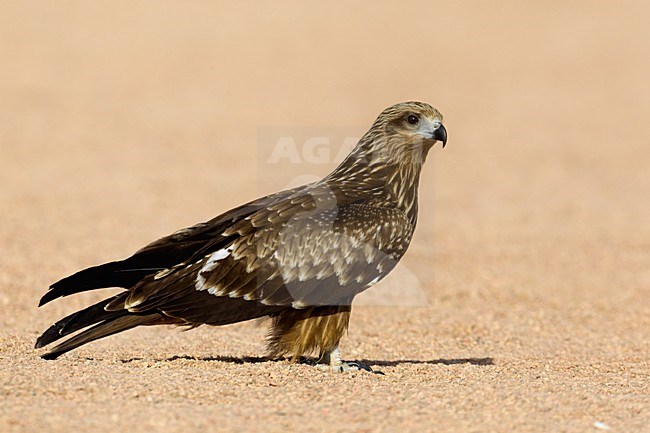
x,y
440,134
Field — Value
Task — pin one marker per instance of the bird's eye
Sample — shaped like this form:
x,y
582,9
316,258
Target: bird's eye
x,y
413,119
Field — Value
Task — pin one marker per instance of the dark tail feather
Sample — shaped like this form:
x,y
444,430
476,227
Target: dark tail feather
x,y
100,330
79,320
113,274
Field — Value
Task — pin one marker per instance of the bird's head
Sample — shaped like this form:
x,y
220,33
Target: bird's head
x,y
413,121
404,133
398,141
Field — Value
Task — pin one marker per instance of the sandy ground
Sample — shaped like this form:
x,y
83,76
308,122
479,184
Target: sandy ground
x,y
523,303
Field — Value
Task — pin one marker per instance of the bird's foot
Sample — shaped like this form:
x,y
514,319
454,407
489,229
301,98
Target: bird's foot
x,y
331,361
344,367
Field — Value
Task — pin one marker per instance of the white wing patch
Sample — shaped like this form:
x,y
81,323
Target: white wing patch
x,y
211,265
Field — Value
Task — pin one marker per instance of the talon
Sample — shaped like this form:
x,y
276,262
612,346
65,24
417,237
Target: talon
x,y
344,367
331,361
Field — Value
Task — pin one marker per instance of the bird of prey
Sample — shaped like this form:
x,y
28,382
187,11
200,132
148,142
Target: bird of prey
x,y
298,257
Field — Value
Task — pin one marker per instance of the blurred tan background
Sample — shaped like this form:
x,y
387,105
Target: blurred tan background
x,y
123,121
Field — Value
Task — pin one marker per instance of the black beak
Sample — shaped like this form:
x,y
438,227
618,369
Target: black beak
x,y
440,134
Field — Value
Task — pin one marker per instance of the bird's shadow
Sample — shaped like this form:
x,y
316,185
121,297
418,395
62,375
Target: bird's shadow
x,y
370,362
443,361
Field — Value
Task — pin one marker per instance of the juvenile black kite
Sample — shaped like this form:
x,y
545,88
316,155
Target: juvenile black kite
x,y
298,256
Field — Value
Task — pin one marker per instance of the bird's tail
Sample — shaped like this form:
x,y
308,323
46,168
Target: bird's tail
x,y
113,274
79,320
109,323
